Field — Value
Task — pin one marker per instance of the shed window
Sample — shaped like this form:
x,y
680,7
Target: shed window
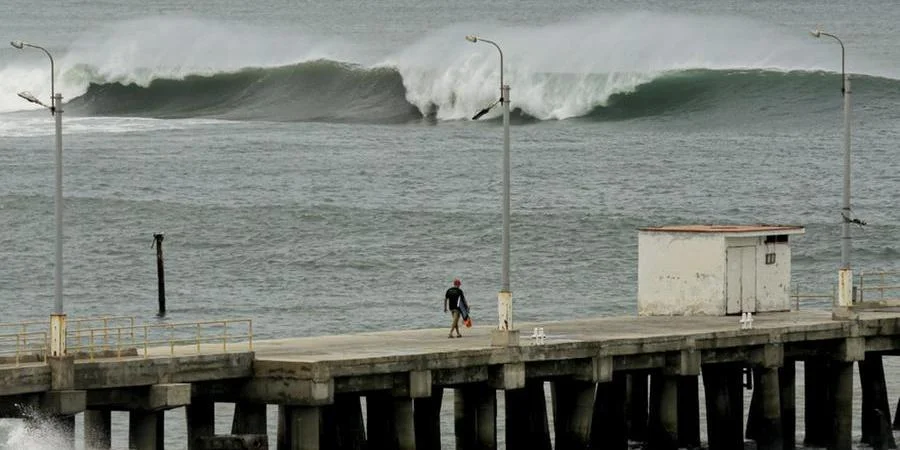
x,y
776,238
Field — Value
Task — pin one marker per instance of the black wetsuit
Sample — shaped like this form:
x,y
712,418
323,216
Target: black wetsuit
x,y
453,296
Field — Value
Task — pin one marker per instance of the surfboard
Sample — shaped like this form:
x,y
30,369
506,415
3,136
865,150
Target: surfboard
x,y
464,314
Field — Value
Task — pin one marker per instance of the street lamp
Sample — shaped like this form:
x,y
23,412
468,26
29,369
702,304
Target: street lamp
x,y
845,273
505,334
58,318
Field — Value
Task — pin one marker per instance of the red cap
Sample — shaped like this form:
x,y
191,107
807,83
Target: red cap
x,y
456,282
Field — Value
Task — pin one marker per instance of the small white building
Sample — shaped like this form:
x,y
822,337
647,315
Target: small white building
x,y
714,269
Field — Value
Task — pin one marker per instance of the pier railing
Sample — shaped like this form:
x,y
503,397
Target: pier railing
x,y
798,296
879,286
215,336
121,336
23,347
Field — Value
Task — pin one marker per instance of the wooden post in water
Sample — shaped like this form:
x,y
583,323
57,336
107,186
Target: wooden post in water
x,y
160,274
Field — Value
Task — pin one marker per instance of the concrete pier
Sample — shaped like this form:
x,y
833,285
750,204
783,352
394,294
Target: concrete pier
x,y
875,405
573,411
527,424
427,420
98,429
609,425
817,403
637,406
787,381
725,421
475,417
318,383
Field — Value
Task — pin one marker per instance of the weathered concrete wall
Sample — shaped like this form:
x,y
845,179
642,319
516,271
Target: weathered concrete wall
x,y
681,274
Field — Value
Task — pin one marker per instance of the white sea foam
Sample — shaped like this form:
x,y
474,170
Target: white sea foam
x,y
556,71
591,59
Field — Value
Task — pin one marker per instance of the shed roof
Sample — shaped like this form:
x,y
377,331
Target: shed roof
x,y
756,230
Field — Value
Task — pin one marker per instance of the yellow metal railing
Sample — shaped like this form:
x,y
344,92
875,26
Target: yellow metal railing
x,y
796,296
77,330
16,348
162,339
73,325
884,282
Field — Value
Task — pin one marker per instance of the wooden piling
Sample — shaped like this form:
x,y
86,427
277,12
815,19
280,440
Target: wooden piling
x,y
160,273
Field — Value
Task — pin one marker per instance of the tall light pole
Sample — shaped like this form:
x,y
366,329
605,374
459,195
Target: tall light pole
x,y
845,273
58,318
505,333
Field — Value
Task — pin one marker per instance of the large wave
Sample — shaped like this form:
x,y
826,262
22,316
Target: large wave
x,y
603,67
337,92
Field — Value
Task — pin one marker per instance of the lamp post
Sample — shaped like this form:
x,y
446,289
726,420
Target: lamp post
x,y
845,273
505,333
58,318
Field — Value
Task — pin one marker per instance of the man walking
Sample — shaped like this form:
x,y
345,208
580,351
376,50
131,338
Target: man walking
x,y
453,299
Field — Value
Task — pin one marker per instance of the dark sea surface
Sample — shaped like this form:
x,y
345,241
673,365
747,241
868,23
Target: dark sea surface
x,y
314,169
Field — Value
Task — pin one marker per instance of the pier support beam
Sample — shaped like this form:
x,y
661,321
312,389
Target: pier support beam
x,y
724,410
636,406
427,418
475,417
390,421
249,418
146,430
663,424
770,434
841,381
573,411
201,416
608,430
688,412
817,403
876,413
788,382
299,427
526,417
342,424
98,429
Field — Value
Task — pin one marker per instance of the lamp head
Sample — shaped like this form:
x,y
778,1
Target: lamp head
x,y
816,33
472,38
31,98
17,44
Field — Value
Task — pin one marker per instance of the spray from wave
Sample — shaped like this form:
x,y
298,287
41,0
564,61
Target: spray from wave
x,y
603,67
35,432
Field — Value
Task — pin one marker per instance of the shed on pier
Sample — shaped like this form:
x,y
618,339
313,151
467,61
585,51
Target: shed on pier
x,y
714,269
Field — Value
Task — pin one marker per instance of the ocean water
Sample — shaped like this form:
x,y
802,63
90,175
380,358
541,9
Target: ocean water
x,y
314,168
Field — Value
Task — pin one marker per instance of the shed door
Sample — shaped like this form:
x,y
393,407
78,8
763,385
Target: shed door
x,y
740,285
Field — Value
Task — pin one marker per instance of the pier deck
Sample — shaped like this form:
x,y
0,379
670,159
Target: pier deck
x,y
316,378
